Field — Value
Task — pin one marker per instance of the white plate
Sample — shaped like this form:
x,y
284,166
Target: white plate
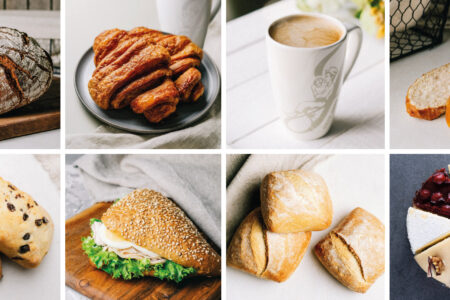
x,y
352,181
43,282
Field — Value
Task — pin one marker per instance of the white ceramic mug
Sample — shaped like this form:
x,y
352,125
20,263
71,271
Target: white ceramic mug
x,y
306,81
187,17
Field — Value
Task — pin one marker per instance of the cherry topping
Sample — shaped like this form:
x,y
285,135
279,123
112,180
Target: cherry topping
x,y
434,195
439,178
425,194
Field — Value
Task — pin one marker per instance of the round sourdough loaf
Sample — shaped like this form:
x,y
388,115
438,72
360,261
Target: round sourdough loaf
x,y
25,69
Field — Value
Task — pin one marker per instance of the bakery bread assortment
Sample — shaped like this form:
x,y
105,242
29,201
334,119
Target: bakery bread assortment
x,y
263,253
272,240
26,70
428,226
295,200
147,70
26,229
353,252
146,234
428,96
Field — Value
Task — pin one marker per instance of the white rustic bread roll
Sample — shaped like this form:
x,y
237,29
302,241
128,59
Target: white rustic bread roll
x,y
296,200
266,254
353,252
25,69
427,97
26,229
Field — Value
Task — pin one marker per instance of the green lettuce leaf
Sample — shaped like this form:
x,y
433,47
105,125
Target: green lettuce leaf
x,y
127,269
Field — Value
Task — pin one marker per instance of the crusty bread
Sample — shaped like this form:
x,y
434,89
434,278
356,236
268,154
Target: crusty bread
x,y
26,229
25,69
353,252
266,254
296,200
152,221
428,95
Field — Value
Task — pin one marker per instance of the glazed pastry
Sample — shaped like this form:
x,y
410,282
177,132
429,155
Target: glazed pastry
x,y
132,63
147,234
296,200
266,254
118,69
26,229
189,85
158,103
428,225
353,252
25,69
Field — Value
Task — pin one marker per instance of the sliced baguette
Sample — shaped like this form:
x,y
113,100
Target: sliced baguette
x,y
427,97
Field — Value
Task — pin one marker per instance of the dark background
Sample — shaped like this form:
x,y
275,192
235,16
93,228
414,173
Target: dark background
x,y
407,279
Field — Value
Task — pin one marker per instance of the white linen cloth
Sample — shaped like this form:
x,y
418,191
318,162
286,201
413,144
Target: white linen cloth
x,y
204,134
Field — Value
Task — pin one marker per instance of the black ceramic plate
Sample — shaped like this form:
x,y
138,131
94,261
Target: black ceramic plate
x,y
126,119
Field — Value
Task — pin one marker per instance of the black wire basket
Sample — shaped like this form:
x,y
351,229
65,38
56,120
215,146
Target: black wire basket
x,y
416,25
52,46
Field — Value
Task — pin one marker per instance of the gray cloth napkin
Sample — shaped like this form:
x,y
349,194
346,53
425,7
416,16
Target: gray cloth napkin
x,y
192,181
243,190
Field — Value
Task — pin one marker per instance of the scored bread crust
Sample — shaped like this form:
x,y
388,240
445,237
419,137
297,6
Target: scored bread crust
x,y
266,254
295,200
353,252
433,77
154,222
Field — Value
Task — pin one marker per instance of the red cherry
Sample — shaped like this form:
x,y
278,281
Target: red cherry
x,y
439,178
424,194
436,197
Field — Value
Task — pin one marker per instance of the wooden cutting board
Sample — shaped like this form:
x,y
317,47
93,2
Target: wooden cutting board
x,y
41,115
96,284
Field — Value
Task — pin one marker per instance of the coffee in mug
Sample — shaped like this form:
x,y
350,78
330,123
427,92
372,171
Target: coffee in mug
x,y
305,31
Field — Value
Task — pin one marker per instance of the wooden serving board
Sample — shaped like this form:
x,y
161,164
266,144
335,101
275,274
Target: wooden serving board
x,y
96,284
41,115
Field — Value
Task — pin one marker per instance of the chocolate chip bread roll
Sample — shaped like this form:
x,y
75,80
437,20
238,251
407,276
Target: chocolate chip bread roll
x,y
26,229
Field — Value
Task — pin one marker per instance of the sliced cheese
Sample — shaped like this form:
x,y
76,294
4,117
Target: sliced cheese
x,y
441,250
425,228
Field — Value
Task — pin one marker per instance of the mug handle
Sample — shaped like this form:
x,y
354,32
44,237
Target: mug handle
x,y
350,57
215,10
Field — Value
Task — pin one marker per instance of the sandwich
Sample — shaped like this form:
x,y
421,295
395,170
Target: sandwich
x,y
147,234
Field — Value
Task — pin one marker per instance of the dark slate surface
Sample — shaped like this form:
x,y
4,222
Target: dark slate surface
x,y
407,279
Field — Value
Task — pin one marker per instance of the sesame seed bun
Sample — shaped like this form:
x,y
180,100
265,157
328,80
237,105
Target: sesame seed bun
x,y
154,222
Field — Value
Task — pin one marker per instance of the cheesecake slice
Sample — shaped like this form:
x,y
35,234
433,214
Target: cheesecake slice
x,y
425,228
435,260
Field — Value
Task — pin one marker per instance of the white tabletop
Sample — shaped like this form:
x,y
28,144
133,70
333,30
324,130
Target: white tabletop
x,y
83,24
408,132
252,120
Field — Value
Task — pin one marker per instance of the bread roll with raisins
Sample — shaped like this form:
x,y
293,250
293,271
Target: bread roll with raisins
x,y
26,229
